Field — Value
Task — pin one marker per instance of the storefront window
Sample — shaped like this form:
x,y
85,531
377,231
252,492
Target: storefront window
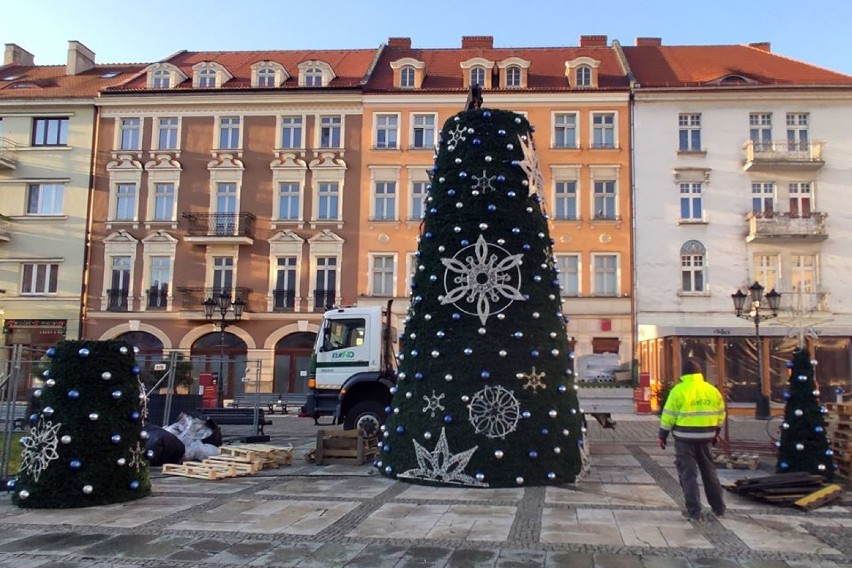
x,y
740,369
703,351
833,366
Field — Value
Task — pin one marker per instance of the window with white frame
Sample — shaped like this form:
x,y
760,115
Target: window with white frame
x,y
513,77
406,77
223,274
584,76
289,200
766,270
382,275
45,199
325,291
119,290
330,131
603,130
384,201
605,274
226,198
164,201
291,132
797,131
229,132
167,133
418,199
423,131
565,130
130,131
803,276
39,278
760,130
266,77
329,200
692,268
605,199
691,201
689,132
313,77
800,196
284,294
161,79
125,202
51,131
565,201
763,197
158,282
568,266
207,78
386,130
477,75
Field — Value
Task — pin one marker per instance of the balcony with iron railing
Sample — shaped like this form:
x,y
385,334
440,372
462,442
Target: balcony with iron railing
x,y
773,225
157,298
117,300
192,298
220,228
781,154
283,300
8,154
5,231
324,299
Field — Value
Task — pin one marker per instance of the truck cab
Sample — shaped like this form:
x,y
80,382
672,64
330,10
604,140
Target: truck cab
x,y
353,367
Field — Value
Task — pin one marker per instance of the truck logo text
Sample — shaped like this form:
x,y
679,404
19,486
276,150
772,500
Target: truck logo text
x,y
343,355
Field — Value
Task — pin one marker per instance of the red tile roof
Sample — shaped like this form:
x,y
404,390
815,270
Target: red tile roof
x,y
546,71
349,65
699,65
51,82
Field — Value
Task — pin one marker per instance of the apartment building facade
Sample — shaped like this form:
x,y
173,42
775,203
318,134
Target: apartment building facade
x,y
742,175
47,121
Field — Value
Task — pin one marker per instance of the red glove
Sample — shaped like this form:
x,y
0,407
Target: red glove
x,y
662,443
715,440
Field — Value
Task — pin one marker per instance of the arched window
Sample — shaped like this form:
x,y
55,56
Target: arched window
x,y
292,359
584,76
406,77
161,79
266,77
513,76
313,77
693,267
477,76
207,78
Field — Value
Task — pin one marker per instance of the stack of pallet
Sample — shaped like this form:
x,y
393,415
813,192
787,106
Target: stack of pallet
x,y
233,461
349,447
840,432
798,489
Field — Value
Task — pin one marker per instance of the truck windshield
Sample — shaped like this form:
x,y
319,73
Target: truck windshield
x,y
343,333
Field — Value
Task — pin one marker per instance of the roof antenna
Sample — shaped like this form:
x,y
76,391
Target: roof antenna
x,y
474,98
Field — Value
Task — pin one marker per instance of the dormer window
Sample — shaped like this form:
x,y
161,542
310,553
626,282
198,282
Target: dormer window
x,y
477,76
513,76
406,77
513,73
477,71
209,75
582,73
161,79
315,74
408,73
268,74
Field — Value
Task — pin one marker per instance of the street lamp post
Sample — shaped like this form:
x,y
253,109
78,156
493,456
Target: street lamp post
x,y
224,303
754,313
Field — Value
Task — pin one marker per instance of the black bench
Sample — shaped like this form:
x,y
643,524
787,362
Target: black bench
x,y
236,416
263,399
293,399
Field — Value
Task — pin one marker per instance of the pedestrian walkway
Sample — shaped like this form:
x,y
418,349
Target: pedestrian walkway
x,y
624,514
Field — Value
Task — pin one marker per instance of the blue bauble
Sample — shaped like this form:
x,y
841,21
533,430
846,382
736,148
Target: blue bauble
x,y
73,394
134,485
534,353
448,419
51,352
115,439
533,454
136,370
83,352
400,429
134,415
75,464
783,465
10,485
485,375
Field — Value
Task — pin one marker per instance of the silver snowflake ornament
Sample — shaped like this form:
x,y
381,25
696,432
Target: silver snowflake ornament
x,y
137,456
441,466
457,134
483,283
494,412
533,380
433,403
484,182
40,447
531,166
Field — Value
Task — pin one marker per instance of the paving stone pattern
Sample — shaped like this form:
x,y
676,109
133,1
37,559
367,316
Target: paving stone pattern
x,y
626,513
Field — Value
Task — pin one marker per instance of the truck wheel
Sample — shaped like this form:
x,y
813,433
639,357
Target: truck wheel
x,y
368,416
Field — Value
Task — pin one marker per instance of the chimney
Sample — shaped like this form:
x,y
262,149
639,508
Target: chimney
x,y
17,55
80,58
649,41
592,41
399,42
762,46
486,42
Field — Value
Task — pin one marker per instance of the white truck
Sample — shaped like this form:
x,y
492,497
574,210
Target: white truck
x,y
353,368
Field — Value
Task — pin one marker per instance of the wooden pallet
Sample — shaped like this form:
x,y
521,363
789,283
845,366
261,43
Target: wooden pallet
x,y
233,461
267,456
348,447
736,460
839,422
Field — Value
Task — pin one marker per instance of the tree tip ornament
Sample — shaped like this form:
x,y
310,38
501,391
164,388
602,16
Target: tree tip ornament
x,y
492,401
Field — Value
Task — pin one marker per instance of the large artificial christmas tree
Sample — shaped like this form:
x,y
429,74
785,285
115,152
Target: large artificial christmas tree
x,y
804,443
86,446
485,395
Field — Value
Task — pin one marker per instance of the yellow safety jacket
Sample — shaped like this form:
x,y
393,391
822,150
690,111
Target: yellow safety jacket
x,y
693,411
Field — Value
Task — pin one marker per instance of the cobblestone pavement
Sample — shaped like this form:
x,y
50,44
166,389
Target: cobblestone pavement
x,y
624,514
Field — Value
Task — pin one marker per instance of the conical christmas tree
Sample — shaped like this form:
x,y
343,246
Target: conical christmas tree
x,y
86,446
804,444
485,395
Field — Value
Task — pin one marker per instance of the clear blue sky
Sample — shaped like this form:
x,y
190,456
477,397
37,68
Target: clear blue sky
x,y
814,31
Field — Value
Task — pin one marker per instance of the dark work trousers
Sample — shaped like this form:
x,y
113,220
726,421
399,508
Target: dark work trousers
x,y
690,458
